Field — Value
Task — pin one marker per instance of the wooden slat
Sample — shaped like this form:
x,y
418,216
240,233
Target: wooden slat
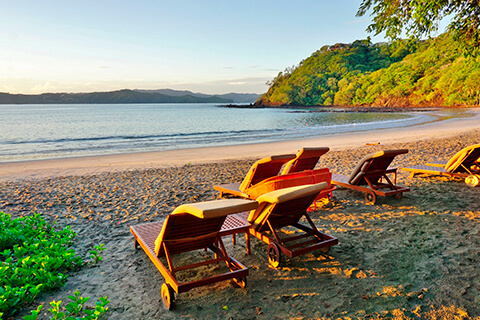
x,y
234,224
199,264
231,188
422,168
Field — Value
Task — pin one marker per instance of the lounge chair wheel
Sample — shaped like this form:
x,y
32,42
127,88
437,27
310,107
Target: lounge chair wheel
x,y
370,197
274,255
325,249
241,282
399,195
168,296
472,180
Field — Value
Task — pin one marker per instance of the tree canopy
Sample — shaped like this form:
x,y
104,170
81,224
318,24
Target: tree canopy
x,y
315,81
382,74
419,18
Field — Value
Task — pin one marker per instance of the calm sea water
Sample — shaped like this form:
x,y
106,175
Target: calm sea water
x,y
30,132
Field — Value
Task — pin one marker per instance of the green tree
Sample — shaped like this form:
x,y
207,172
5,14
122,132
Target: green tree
x,y
315,81
419,18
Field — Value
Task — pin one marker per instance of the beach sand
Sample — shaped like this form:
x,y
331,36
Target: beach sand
x,y
410,258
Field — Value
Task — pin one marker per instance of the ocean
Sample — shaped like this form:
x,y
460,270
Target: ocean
x,y
31,132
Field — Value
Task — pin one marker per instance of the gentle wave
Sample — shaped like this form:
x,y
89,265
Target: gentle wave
x,y
140,137
39,132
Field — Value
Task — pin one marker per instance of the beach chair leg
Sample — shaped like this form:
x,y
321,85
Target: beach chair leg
x,y
247,241
234,239
241,282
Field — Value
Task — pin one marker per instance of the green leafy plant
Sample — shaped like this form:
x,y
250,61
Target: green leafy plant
x,y
34,258
35,314
95,254
73,310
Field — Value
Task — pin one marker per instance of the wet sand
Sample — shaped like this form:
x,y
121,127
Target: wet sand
x,y
410,258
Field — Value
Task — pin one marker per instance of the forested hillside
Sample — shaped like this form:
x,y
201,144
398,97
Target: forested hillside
x,y
432,73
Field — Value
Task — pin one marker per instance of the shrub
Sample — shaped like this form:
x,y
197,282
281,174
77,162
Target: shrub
x,y
34,258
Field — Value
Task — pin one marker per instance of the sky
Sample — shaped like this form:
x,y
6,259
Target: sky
x,y
210,46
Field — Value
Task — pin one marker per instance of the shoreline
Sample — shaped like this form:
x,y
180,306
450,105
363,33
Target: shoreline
x,y
340,108
91,165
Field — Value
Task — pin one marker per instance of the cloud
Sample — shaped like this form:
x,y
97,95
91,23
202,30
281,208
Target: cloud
x,y
7,88
43,87
250,85
271,70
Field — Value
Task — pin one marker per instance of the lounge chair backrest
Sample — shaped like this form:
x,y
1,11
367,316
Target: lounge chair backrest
x,y
184,232
263,169
463,159
306,159
196,226
290,180
285,204
374,165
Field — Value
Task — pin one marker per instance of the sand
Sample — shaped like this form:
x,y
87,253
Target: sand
x,y
410,258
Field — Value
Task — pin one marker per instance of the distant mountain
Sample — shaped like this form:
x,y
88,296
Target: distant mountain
x,y
176,93
234,97
126,96
240,97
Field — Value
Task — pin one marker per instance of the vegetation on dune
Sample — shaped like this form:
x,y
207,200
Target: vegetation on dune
x,y
427,73
34,258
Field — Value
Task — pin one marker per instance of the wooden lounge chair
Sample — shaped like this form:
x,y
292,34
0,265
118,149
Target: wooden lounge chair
x,y
370,176
306,159
189,228
259,171
293,180
464,164
281,209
